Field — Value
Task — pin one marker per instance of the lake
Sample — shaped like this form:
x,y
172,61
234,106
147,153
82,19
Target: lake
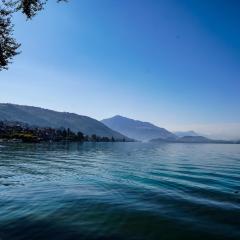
x,y
119,191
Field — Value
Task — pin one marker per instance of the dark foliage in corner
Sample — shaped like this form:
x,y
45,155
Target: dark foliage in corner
x,y
8,44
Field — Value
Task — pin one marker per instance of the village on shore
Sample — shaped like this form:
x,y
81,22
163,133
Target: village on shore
x,y
20,132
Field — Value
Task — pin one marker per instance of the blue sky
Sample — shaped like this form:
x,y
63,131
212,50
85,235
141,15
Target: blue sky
x,y
174,63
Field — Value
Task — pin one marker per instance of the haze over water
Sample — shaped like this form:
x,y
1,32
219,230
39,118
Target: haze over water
x,y
119,191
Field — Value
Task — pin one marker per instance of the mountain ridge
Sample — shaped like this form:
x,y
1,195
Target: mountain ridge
x,y
186,133
193,139
136,129
37,116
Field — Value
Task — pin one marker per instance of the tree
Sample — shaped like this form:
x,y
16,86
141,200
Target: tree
x,y
80,136
86,138
64,134
94,137
8,44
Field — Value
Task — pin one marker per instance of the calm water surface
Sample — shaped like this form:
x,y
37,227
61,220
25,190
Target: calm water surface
x,y
119,191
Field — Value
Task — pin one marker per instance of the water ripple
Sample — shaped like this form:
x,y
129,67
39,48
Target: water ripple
x,y
119,191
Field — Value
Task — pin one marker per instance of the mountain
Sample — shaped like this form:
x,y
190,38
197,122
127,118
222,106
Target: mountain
x,y
187,133
142,131
35,116
192,139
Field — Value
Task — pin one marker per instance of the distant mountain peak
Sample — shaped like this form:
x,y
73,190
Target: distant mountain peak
x,y
139,130
190,133
119,116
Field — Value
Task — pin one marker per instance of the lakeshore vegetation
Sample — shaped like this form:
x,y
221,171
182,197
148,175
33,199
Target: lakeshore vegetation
x,y
20,132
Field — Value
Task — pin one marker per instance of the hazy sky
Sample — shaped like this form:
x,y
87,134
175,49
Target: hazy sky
x,y
174,63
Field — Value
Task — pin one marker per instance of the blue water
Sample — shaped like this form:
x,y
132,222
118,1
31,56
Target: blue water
x,y
119,191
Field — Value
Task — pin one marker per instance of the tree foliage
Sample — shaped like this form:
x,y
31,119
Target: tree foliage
x,y
8,44
12,131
